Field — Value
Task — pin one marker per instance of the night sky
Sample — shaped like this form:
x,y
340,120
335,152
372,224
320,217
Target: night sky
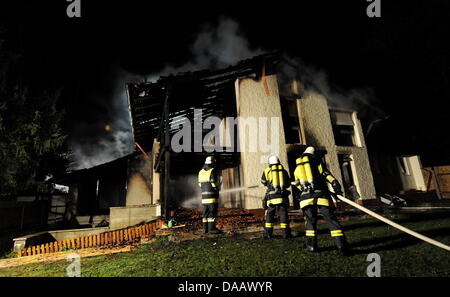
x,y
402,56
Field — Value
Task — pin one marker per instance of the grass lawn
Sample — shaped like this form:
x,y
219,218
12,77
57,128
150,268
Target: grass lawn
x,y
401,254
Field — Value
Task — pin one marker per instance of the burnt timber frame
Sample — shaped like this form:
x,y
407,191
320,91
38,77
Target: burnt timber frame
x,y
154,106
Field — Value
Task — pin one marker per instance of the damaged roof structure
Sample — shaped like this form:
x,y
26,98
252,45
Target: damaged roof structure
x,y
248,89
207,90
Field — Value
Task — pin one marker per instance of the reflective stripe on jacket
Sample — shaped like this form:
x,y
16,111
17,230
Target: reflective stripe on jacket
x,y
311,171
208,180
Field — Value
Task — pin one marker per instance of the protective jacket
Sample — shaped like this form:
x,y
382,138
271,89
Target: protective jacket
x,y
209,181
277,181
311,178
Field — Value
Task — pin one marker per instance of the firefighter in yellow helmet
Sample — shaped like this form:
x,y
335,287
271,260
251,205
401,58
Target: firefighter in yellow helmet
x,y
276,179
312,178
209,181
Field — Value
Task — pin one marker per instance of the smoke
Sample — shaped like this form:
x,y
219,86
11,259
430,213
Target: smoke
x,y
186,192
142,166
110,137
139,181
215,47
362,100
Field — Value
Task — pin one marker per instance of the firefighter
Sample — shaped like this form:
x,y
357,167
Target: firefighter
x,y
276,179
312,178
209,181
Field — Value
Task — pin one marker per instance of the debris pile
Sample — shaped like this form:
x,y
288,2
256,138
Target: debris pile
x,y
232,218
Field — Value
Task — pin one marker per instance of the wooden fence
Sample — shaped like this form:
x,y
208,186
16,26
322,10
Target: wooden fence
x,y
111,238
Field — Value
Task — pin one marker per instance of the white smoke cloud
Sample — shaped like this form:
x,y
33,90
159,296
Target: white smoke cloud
x,y
113,138
103,150
186,191
214,47
362,100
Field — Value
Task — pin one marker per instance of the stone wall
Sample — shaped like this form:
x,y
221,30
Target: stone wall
x,y
122,217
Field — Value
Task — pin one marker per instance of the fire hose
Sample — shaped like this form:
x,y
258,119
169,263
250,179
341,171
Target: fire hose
x,y
385,220
393,224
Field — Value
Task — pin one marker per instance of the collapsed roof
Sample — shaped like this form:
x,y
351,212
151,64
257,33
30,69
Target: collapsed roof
x,y
208,90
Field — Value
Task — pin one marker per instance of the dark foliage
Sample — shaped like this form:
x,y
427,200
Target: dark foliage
x,y
32,144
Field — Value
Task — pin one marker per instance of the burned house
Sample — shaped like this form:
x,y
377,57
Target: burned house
x,y
244,93
240,115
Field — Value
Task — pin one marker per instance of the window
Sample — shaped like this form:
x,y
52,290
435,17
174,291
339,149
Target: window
x,y
403,164
343,128
348,181
291,120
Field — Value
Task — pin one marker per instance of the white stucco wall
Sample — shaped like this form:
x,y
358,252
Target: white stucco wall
x,y
137,190
412,177
314,115
319,133
122,217
252,101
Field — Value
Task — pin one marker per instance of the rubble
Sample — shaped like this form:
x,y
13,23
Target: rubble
x,y
228,219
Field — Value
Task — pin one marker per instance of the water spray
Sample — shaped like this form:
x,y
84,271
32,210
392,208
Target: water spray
x,y
238,189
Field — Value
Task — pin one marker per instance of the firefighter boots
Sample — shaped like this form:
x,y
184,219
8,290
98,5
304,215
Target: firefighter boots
x,y
311,244
268,232
342,246
287,233
212,228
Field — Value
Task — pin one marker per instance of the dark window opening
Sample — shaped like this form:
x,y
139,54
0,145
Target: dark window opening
x,y
344,135
403,164
343,128
348,184
291,121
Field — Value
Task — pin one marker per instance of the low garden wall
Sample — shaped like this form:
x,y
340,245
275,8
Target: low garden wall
x,y
109,238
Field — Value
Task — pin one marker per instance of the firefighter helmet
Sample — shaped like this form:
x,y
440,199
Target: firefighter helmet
x,y
274,160
309,150
210,160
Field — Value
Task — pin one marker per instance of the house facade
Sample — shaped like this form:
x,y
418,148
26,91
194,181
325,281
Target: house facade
x,y
136,188
303,118
335,132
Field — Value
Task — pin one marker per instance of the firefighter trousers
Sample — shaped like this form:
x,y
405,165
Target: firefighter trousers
x,y
310,213
209,216
270,217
